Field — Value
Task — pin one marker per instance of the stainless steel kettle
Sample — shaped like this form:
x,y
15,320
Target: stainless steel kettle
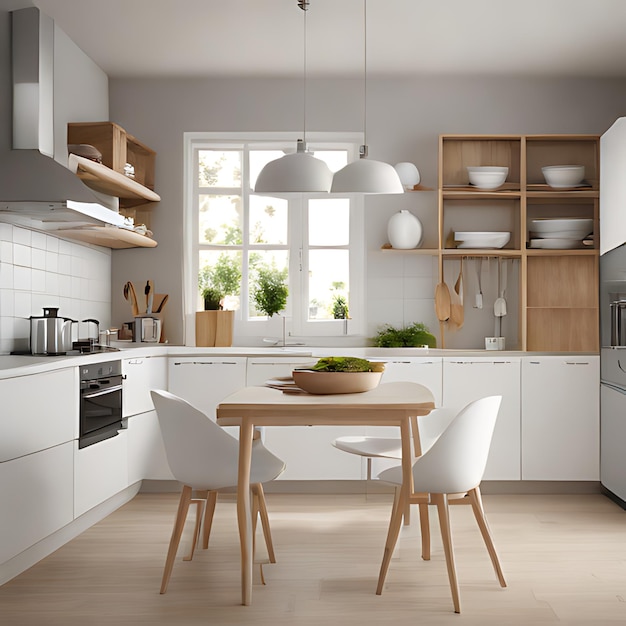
x,y
50,334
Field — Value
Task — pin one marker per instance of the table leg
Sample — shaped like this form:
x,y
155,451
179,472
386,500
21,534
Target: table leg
x,y
244,511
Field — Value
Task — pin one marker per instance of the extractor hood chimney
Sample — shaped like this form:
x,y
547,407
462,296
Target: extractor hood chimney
x,y
32,183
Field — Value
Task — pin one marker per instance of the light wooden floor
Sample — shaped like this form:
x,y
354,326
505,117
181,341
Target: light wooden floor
x,y
564,558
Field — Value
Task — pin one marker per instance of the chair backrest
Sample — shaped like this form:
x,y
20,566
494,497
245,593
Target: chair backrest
x,y
456,461
199,452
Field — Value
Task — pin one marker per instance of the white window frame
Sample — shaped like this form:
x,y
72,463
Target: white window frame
x,y
296,324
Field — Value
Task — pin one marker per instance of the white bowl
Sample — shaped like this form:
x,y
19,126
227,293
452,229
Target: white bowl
x,y
561,176
486,239
561,228
487,177
324,383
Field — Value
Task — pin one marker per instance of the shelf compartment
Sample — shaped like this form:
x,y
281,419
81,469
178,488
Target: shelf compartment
x,y
472,214
562,330
542,150
108,236
457,152
108,181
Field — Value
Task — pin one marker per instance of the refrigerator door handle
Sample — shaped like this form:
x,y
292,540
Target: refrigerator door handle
x,y
613,386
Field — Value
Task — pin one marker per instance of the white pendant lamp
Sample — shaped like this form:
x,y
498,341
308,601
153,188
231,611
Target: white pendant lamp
x,y
366,175
300,172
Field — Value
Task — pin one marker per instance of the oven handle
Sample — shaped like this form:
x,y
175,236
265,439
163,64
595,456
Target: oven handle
x,y
102,392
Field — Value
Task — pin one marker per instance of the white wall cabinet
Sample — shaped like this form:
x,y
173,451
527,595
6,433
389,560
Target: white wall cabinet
x,y
560,418
307,450
466,379
100,471
37,497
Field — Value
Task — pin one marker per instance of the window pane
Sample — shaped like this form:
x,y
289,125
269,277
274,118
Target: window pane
x,y
323,214
219,168
220,219
328,284
268,220
274,262
258,160
221,270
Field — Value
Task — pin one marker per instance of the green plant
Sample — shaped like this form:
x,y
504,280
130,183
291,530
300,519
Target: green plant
x,y
212,299
270,291
340,307
417,334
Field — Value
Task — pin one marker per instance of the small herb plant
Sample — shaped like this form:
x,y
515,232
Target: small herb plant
x,y
415,335
212,299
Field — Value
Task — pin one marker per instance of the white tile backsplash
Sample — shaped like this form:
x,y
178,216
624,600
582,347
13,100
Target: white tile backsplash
x,y
39,270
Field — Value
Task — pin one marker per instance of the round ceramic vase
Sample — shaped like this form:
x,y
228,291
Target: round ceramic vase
x,y
404,231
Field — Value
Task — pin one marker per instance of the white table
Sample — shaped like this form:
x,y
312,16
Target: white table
x,y
390,404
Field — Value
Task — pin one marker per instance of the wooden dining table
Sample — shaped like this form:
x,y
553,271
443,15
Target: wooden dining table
x,y
389,404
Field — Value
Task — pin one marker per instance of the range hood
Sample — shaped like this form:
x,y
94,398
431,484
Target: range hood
x,y
35,184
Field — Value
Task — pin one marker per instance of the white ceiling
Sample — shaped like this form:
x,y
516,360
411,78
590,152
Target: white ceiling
x,y
130,38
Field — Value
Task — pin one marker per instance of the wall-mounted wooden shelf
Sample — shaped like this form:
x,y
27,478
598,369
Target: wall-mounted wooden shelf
x,y
108,236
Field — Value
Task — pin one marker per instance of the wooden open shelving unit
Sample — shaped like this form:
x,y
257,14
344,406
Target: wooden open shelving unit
x,y
135,194
558,307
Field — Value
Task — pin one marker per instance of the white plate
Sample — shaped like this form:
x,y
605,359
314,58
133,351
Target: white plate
x,y
556,244
488,239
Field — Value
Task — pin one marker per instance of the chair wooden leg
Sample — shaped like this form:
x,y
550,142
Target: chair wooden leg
x,y
208,517
425,530
199,502
177,531
479,513
395,524
441,500
265,522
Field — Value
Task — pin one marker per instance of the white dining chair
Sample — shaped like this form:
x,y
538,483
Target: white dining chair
x,y
428,428
450,472
204,458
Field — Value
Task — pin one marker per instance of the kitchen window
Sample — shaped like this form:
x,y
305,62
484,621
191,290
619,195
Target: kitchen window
x,y
314,242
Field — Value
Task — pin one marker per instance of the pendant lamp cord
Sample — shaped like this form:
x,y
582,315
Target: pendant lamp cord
x,y
363,148
304,5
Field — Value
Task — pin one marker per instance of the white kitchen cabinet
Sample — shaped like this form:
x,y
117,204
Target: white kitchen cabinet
x,y
29,421
141,375
468,378
560,418
307,450
146,452
100,472
37,497
206,381
427,371
612,188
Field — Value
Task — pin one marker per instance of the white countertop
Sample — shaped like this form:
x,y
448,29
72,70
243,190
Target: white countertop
x,y
24,365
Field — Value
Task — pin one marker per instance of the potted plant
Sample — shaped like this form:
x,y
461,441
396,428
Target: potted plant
x,y
212,299
340,307
270,291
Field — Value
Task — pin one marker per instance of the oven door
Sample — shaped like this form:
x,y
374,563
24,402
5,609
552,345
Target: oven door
x,y
100,410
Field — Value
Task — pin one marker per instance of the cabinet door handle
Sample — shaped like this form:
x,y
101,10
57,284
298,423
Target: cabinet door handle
x,y
205,363
576,363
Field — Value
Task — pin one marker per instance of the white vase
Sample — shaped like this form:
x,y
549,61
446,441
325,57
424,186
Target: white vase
x,y
404,231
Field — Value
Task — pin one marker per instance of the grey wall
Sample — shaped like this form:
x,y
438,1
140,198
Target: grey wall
x,y
405,118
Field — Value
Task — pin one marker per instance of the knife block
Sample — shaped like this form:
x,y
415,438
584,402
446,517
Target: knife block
x,y
214,328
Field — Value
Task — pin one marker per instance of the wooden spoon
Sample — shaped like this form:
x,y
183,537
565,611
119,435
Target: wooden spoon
x,y
456,301
442,302
133,299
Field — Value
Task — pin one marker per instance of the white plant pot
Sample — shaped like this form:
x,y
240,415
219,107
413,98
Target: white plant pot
x,y
404,231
